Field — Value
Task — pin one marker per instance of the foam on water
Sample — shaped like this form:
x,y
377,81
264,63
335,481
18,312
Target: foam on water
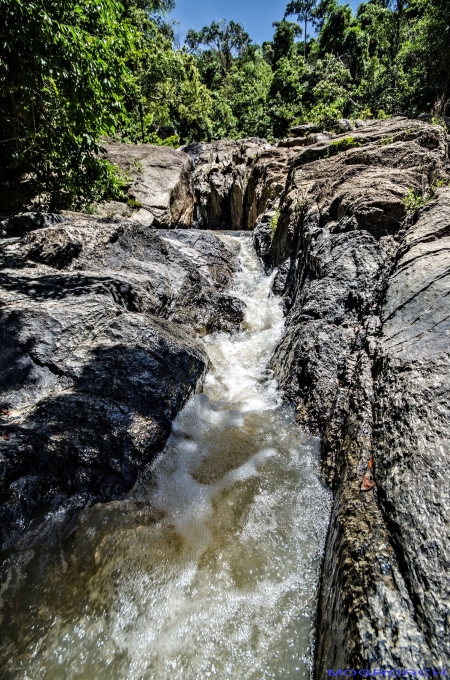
x,y
209,569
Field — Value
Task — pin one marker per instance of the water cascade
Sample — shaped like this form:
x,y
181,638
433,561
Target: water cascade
x,y
209,568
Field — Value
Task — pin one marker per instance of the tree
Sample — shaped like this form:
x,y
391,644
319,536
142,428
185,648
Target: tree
x,y
287,92
424,58
283,39
247,88
305,12
165,98
62,84
334,31
227,40
74,71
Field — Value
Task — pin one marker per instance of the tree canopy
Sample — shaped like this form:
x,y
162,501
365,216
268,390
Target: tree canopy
x,y
73,72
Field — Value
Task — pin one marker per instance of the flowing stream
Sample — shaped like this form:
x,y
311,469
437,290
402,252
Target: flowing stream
x,y
209,568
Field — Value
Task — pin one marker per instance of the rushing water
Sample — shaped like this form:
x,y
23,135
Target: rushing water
x,y
209,568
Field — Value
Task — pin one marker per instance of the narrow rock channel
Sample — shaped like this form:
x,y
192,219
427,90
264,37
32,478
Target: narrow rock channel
x,y
209,567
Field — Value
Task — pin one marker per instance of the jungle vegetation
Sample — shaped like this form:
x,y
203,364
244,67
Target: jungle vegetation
x,y
75,71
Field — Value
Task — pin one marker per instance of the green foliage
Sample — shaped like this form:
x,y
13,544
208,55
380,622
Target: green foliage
x,y
366,114
132,203
440,183
75,71
274,223
283,40
343,145
227,40
305,11
438,120
286,94
335,36
166,97
239,96
62,85
415,199
172,141
247,89
329,80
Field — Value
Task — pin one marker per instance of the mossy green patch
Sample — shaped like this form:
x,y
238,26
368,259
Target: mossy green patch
x,y
343,145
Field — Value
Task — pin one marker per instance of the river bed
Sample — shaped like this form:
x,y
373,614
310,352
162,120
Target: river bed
x,y
209,567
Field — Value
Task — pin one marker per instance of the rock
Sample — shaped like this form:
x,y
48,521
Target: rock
x,y
207,311
289,142
360,123
263,233
161,181
99,320
304,129
109,209
266,183
91,399
412,416
222,171
345,125
313,138
235,182
318,138
365,359
390,131
144,217
21,224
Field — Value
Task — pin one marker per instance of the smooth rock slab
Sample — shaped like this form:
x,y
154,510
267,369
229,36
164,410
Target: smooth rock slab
x,y
412,418
90,393
161,181
99,320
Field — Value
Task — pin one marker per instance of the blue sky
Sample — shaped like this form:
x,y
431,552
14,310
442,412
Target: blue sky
x,y
256,16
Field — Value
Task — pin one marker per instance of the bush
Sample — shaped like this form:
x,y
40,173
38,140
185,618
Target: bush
x,y
62,82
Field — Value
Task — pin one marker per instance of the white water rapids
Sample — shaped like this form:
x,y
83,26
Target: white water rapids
x,y
209,568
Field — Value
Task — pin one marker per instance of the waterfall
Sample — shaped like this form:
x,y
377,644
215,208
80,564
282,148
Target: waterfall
x,y
209,567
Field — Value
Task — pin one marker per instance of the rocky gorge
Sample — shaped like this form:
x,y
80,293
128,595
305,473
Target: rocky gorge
x,y
101,319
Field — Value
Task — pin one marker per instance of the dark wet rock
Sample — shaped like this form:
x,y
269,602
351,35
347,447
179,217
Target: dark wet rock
x,y
91,394
161,183
99,321
207,311
365,358
338,233
19,225
263,233
266,184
